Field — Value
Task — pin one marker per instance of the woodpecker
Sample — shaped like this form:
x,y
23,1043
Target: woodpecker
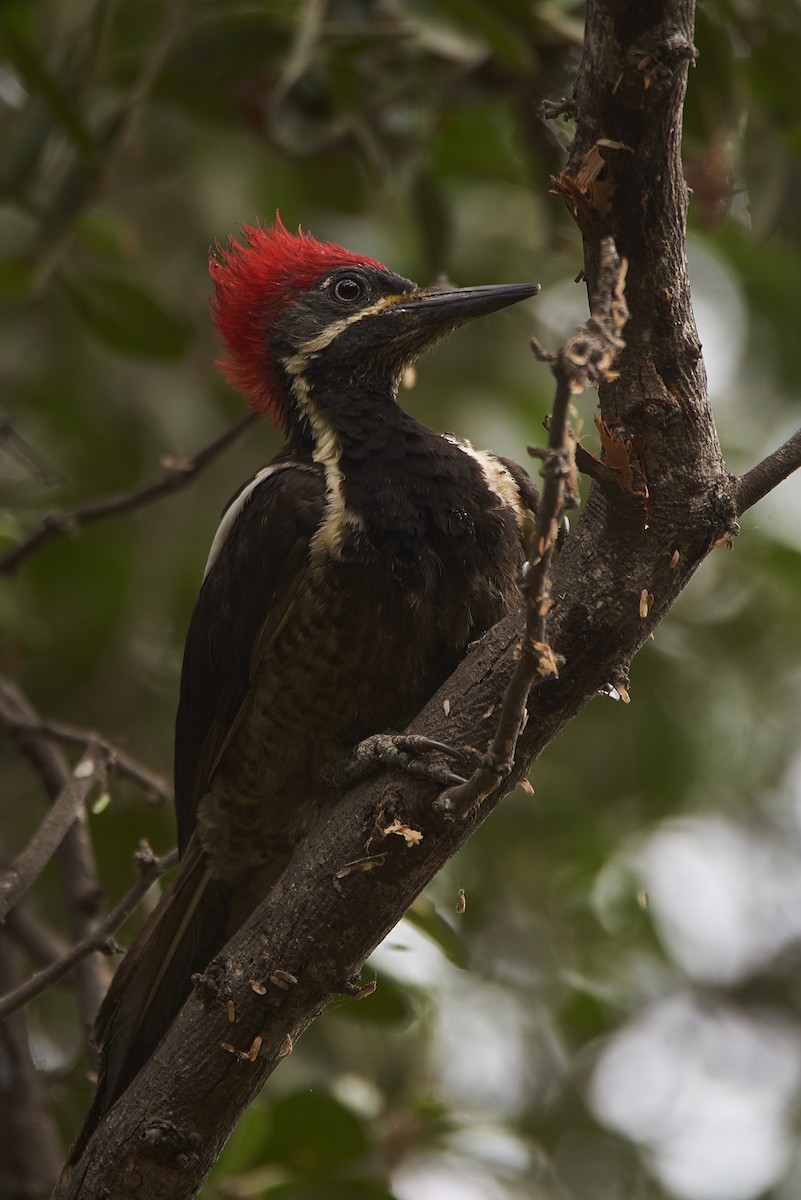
x,y
343,586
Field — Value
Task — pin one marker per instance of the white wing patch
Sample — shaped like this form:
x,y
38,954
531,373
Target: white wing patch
x,y
234,509
498,479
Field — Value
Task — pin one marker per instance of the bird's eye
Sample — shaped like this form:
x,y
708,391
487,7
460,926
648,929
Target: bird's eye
x,y
348,288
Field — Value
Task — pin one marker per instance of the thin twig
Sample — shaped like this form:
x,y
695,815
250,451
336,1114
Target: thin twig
x,y
768,474
150,868
179,472
76,859
155,785
302,49
18,715
586,360
15,881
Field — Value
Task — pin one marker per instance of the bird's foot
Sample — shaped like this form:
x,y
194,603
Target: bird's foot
x,y
411,753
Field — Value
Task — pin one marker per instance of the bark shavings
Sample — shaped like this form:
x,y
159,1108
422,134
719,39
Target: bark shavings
x,y
412,837
620,456
590,190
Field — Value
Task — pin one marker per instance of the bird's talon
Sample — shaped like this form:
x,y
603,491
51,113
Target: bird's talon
x,y
403,752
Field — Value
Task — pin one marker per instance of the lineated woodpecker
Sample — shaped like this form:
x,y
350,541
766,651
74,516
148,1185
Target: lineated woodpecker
x,y
342,588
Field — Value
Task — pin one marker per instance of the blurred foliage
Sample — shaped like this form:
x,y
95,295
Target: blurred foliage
x,y
630,938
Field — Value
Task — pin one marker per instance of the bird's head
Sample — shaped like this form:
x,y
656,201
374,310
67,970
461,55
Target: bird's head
x,y
289,308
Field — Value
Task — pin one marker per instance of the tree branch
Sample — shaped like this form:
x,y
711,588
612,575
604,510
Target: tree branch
x,y
179,473
638,542
75,854
155,786
17,715
150,868
76,857
29,864
768,474
661,509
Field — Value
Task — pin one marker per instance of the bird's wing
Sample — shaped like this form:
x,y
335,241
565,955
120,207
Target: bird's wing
x,y
257,561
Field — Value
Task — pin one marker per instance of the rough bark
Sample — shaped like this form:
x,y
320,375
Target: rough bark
x,y
649,522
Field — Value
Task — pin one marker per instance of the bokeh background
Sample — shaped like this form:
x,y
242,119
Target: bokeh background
x,y
617,1013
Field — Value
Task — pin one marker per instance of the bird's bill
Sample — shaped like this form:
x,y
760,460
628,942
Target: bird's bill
x,y
457,305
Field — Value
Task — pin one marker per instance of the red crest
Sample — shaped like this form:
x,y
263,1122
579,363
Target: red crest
x,y
253,283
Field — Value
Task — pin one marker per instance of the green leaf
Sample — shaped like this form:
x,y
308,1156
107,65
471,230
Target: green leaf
x,y
106,235
125,317
477,141
244,1150
23,146
101,803
313,1132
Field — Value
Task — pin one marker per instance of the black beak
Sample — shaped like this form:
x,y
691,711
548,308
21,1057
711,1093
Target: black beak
x,y
400,331
459,305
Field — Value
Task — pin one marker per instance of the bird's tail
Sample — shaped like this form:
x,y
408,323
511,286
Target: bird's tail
x,y
181,936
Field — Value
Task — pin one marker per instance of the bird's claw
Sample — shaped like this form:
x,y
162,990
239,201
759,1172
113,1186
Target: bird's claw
x,y
404,752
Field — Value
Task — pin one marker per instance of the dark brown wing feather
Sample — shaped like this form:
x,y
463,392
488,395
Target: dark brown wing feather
x,y
244,598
